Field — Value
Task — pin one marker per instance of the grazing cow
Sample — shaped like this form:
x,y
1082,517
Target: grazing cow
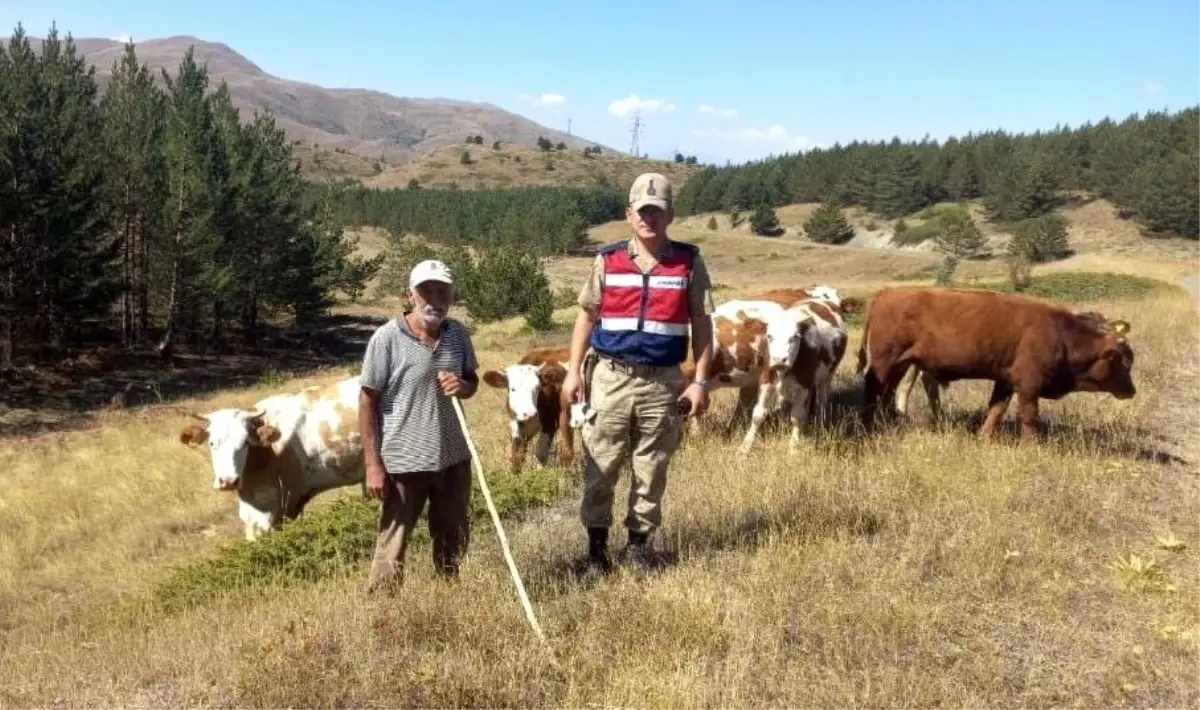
x,y
1027,346
284,451
822,346
534,405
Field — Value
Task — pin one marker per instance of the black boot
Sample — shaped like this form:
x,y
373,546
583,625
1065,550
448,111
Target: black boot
x,y
598,562
637,555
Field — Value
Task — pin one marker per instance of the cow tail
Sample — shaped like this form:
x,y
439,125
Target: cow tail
x,y
864,357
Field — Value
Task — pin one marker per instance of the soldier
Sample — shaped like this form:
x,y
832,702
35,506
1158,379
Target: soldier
x,y
635,312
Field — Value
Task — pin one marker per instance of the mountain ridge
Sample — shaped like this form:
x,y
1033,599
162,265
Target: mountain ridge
x,y
368,122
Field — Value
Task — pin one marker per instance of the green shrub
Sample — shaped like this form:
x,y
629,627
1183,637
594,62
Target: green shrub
x,y
1081,286
936,220
1040,239
332,541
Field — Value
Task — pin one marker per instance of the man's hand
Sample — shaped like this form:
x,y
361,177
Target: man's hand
x,y
375,477
449,382
570,388
698,396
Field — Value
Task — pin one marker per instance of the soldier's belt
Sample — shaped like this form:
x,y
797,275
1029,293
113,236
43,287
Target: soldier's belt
x,y
632,368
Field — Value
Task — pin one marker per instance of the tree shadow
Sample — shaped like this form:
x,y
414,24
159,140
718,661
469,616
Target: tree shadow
x,y
65,393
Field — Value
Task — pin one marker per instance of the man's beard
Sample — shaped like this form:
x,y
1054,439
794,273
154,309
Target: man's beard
x,y
432,316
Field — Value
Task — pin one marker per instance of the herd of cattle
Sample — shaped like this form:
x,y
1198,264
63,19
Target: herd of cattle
x,y
780,350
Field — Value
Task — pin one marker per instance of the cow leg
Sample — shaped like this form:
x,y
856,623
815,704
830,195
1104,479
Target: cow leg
x,y
255,522
295,506
541,450
933,392
747,398
566,438
1027,411
904,389
801,398
1001,395
517,448
767,393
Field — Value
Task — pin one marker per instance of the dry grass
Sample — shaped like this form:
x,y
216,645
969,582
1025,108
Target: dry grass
x,y
916,568
519,166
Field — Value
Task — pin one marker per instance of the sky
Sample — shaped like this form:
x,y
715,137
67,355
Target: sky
x,y
724,81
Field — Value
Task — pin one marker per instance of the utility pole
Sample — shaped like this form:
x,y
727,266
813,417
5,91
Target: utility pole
x,y
635,146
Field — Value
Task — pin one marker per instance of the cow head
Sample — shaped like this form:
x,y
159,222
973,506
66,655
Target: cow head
x,y
1112,370
524,383
229,434
851,305
828,294
784,336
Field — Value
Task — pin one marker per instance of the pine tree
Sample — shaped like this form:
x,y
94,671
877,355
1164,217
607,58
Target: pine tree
x,y
191,216
959,237
133,109
899,190
765,222
828,225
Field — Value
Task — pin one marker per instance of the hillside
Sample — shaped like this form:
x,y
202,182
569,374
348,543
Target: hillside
x,y
369,123
518,166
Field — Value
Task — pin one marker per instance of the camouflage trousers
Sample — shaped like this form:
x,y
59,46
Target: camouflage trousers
x,y
635,420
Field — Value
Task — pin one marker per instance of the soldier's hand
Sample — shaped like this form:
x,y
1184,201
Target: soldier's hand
x,y
450,383
698,397
570,388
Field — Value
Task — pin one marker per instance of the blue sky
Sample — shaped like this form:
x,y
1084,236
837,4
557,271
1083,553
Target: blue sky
x,y
721,80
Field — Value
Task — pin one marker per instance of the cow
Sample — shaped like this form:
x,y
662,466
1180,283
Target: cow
x,y
283,451
1033,348
806,384
772,336
932,386
534,405
787,297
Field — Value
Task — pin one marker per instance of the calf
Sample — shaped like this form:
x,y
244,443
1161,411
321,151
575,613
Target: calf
x,y
783,330
1027,346
822,347
283,451
534,405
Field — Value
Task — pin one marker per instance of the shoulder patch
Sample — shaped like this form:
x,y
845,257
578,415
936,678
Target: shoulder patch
x,y
609,248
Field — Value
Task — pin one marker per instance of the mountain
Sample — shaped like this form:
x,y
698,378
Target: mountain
x,y
368,123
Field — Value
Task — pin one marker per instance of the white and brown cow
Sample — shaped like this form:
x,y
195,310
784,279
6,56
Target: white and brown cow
x,y
283,451
755,344
534,405
787,297
822,347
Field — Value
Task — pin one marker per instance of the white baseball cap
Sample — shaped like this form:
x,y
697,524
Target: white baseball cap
x,y
430,270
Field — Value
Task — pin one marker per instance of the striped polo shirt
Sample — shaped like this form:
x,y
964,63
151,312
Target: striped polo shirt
x,y
419,430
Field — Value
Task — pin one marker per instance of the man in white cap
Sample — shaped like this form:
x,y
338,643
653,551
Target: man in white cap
x,y
415,448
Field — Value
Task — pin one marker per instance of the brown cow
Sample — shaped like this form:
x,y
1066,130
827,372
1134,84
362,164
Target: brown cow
x,y
1027,346
534,405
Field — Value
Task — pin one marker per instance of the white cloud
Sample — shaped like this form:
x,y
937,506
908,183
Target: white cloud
x,y
721,112
550,99
122,39
633,103
775,135
1152,88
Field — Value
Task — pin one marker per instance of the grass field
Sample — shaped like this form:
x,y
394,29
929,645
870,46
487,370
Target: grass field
x,y
916,568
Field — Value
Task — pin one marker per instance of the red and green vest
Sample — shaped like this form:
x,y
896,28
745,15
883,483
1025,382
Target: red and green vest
x,y
644,317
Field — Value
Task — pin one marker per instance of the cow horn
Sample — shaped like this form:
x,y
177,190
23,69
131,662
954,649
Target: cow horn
x,y
201,417
257,413
1120,327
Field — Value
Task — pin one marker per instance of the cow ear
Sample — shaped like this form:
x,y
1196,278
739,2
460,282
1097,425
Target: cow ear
x,y
495,379
193,435
1120,327
268,434
741,315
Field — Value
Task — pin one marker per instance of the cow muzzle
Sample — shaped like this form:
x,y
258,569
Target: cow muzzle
x,y
225,484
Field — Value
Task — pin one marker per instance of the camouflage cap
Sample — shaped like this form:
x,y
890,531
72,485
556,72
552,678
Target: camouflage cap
x,y
650,189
